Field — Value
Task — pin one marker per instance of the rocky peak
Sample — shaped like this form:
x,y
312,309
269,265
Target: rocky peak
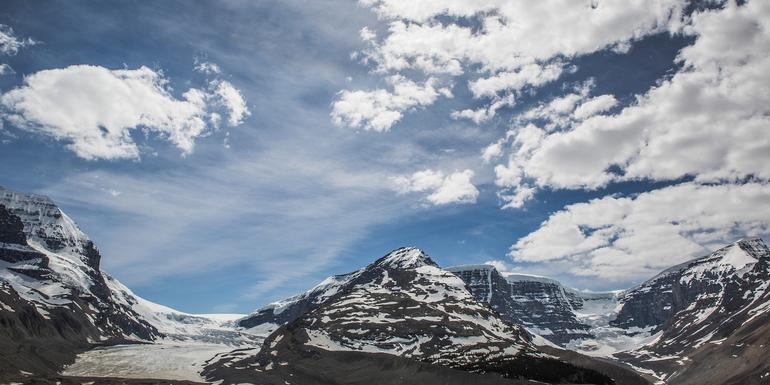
x,y
46,226
11,228
755,247
404,258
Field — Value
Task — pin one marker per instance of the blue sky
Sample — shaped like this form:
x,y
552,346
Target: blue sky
x,y
349,142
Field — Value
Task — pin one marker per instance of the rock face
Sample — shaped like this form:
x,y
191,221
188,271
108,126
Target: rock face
x,y
542,305
401,305
697,307
54,300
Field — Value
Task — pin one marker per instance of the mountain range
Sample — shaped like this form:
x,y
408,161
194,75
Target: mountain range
x,y
401,319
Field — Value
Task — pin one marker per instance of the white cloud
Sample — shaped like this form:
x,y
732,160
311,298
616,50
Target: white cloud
x,y
232,100
625,238
206,67
708,120
516,198
492,151
453,188
593,106
516,45
559,111
5,69
380,109
527,75
95,109
513,33
485,113
10,44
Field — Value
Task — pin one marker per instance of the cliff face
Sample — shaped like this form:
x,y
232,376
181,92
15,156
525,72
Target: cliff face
x,y
540,304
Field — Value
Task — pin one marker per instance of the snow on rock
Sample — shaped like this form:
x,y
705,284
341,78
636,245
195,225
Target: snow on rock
x,y
703,300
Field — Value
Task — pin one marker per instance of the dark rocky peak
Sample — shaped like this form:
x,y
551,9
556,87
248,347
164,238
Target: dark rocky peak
x,y
13,244
11,228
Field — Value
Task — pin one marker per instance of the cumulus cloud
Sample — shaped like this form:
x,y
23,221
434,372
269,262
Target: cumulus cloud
x,y
528,75
708,120
10,44
622,238
559,111
453,188
511,33
593,106
380,109
508,47
95,110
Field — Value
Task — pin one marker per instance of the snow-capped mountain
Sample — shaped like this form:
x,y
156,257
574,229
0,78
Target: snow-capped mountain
x,y
403,317
542,305
56,302
708,311
402,305
51,288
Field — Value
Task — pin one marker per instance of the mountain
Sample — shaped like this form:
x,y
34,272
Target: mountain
x,y
709,315
401,319
55,302
690,324
566,317
540,304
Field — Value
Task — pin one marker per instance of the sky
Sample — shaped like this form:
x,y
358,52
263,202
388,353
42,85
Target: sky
x,y
226,154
